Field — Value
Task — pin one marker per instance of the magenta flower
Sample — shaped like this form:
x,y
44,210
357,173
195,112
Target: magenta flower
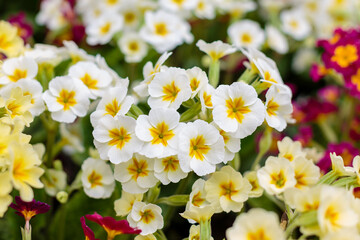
x,y
345,149
25,30
89,234
112,226
304,135
29,210
329,94
318,71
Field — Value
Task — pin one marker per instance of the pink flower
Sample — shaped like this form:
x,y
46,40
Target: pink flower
x,y
304,135
329,94
111,226
89,234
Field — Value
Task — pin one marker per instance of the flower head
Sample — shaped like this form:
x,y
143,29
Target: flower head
x,y
29,209
215,50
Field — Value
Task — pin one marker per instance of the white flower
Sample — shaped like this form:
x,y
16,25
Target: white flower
x,y
276,40
94,78
131,15
159,131
278,107
246,33
136,175
289,149
306,172
116,80
295,24
66,99
146,217
255,56
115,138
215,50
303,200
256,224
50,14
256,190
337,164
201,147
133,47
113,103
54,181
205,9
124,205
237,109
169,88
343,234
276,176
165,31
101,30
15,69
227,190
205,96
77,54
178,6
198,80
168,170
97,178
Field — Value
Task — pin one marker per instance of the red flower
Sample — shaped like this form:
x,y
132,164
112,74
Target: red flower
x,y
89,234
111,226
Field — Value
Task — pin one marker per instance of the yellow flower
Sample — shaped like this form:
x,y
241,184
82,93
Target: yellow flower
x,y
10,43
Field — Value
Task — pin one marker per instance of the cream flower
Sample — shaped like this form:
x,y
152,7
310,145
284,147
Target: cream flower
x,y
54,181
114,103
278,107
303,200
164,31
5,189
101,30
115,138
168,170
289,149
94,78
169,88
237,109
246,33
136,175
124,205
306,172
201,147
337,164
227,190
159,130
194,233
343,234
256,189
133,47
15,69
256,224
215,50
66,99
146,217
11,43
295,24
276,176
97,178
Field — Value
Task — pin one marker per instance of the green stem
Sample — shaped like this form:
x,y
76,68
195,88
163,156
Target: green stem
x,y
236,162
62,222
275,200
52,128
205,229
257,160
328,178
214,73
327,131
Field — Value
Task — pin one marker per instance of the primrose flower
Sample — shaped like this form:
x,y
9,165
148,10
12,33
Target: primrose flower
x,y
66,99
25,30
276,176
295,24
101,30
168,170
94,78
131,14
256,189
205,96
337,163
276,40
227,190
77,54
159,131
6,188
178,6
11,44
113,103
198,80
89,234
303,200
237,109
164,31
115,138
246,33
169,88
201,147
278,107
146,217
194,233
136,175
124,205
111,226
18,68
54,181
256,224
215,50
29,210
133,47
289,149
205,9
97,178
306,172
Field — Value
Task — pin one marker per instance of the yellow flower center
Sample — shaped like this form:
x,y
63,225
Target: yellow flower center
x,y
258,235
236,109
161,29
129,17
272,107
29,94
171,164
112,108
161,134
201,6
105,28
18,74
194,84
355,79
111,2
138,169
198,148
147,216
300,179
225,136
134,46
14,108
207,99
197,200
89,81
332,215
119,137
178,2
228,189
345,55
216,55
170,92
294,24
246,38
95,179
67,99
288,156
278,179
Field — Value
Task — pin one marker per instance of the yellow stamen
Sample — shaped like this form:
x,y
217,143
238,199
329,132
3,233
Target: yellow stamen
x,y
171,91
198,148
138,169
236,109
67,99
119,137
95,179
161,134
